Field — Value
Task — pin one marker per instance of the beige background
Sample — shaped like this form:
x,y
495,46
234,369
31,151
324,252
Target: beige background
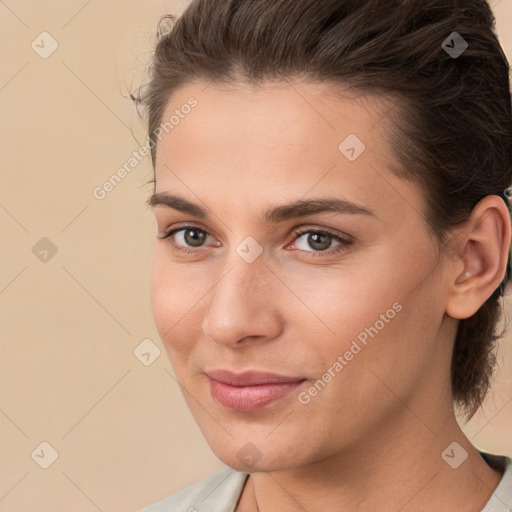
x,y
69,325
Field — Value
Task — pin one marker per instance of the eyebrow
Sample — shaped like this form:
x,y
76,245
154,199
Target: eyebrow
x,y
300,208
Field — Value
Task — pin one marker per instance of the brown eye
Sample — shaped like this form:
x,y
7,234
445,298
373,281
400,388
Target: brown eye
x,y
188,237
316,241
194,237
319,242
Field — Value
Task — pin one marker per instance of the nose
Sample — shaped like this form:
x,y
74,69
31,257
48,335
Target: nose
x,y
243,305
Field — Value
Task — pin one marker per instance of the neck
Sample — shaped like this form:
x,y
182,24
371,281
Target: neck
x,y
397,468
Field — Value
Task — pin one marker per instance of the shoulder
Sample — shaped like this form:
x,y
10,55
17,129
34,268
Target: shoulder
x,y
220,489
501,499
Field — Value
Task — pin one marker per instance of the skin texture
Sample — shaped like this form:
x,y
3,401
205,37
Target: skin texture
x,y
372,438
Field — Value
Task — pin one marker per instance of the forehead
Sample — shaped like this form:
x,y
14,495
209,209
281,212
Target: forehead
x,y
267,121
244,111
278,139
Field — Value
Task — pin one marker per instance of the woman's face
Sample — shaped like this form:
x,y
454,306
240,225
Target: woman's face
x,y
297,253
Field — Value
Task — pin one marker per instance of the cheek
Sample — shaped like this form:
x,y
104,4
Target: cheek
x,y
369,319
341,302
175,302
389,353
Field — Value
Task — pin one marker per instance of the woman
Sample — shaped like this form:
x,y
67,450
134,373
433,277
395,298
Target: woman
x,y
331,246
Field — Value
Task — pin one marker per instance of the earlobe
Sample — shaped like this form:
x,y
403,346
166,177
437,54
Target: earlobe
x,y
485,242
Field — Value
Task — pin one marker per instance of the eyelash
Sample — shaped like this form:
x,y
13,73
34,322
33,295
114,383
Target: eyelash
x,y
343,242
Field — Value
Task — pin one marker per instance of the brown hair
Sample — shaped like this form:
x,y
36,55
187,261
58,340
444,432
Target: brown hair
x,y
452,130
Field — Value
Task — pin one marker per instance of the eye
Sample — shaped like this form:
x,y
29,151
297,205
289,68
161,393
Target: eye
x,y
319,241
187,238
192,237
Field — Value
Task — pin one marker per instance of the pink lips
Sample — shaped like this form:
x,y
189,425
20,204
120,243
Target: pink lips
x,y
251,390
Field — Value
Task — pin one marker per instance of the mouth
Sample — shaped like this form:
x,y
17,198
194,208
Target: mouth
x,y
250,390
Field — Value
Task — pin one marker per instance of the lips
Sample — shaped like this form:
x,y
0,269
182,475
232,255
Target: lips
x,y
251,390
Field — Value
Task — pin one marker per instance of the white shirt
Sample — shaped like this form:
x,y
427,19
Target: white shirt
x,y
221,491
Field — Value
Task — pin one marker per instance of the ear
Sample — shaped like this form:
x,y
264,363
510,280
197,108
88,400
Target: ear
x,y
483,249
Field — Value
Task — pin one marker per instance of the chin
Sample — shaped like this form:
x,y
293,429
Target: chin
x,y
251,459
262,466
